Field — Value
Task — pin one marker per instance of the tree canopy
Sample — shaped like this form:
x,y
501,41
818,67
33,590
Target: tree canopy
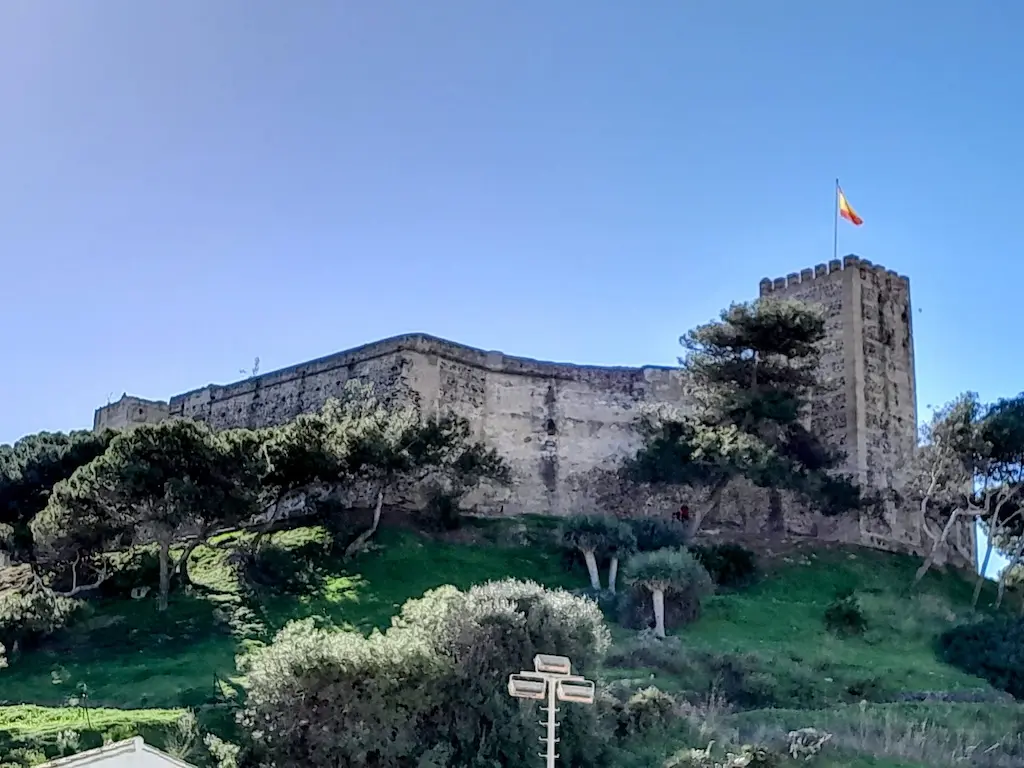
x,y
28,471
435,683
179,481
155,484
970,466
751,374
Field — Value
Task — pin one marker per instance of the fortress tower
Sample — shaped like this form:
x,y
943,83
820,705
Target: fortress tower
x,y
560,426
866,403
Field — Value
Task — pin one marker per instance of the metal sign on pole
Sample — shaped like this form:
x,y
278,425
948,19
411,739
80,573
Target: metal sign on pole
x,y
551,680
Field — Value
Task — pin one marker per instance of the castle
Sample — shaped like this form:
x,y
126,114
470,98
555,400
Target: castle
x,y
557,424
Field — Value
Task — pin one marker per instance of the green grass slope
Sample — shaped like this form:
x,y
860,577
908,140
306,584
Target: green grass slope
x,y
125,666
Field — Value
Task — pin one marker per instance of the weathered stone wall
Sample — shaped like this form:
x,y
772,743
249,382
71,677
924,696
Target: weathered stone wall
x,y
562,427
129,411
865,403
550,421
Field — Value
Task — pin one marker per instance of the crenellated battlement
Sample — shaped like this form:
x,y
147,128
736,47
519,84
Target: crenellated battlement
x,y
561,426
825,271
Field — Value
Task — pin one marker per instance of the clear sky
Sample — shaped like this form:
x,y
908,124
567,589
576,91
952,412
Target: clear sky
x,y
185,186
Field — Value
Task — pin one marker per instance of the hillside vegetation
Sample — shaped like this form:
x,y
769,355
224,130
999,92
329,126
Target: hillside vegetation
x,y
253,599
758,663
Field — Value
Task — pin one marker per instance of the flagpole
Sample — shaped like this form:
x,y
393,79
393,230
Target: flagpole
x,y
835,223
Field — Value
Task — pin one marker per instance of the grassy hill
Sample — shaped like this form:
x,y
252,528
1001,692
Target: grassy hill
x,y
758,663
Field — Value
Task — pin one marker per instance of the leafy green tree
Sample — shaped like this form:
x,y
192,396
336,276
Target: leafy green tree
x,y
429,691
29,610
28,471
155,484
302,462
667,570
384,445
360,440
1003,433
969,466
751,373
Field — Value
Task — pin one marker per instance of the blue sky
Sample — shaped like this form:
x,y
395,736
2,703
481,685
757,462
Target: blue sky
x,y
186,186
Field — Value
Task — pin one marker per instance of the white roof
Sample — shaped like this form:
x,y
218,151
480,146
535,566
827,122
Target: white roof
x,y
133,752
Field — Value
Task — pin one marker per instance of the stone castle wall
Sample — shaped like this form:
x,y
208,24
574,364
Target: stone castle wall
x,y
562,426
552,422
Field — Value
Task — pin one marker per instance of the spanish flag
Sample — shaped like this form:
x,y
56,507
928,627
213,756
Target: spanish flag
x,y
846,211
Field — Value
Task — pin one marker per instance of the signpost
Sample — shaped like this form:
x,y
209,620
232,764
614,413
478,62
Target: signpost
x,y
551,680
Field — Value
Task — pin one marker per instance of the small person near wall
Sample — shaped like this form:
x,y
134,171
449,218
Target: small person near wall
x,y
682,515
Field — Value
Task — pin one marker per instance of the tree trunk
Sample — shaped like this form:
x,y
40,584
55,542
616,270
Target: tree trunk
x,y
659,612
711,509
365,536
595,576
165,575
613,573
981,573
257,540
183,563
933,554
776,518
1014,561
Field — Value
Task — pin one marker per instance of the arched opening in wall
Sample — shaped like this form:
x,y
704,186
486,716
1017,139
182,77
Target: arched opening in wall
x,y
551,429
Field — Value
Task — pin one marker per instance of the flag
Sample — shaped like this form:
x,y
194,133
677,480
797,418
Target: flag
x,y
846,211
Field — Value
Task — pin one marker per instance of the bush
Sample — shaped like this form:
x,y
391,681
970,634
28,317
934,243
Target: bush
x,y
992,649
138,567
275,567
339,521
844,615
653,533
731,565
748,756
441,511
30,611
647,710
435,682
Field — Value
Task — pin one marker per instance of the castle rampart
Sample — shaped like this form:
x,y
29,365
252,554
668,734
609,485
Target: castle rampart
x,y
559,425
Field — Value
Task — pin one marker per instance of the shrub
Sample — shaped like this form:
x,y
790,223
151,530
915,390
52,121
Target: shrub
x,y
731,565
844,615
992,649
435,682
748,756
339,521
653,533
30,611
647,710
441,511
278,568
134,568
806,743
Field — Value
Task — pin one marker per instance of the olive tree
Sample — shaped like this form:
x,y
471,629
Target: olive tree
x,y
431,690
361,441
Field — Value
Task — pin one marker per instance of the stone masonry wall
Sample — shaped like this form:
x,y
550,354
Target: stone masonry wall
x,y
865,403
550,421
561,427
